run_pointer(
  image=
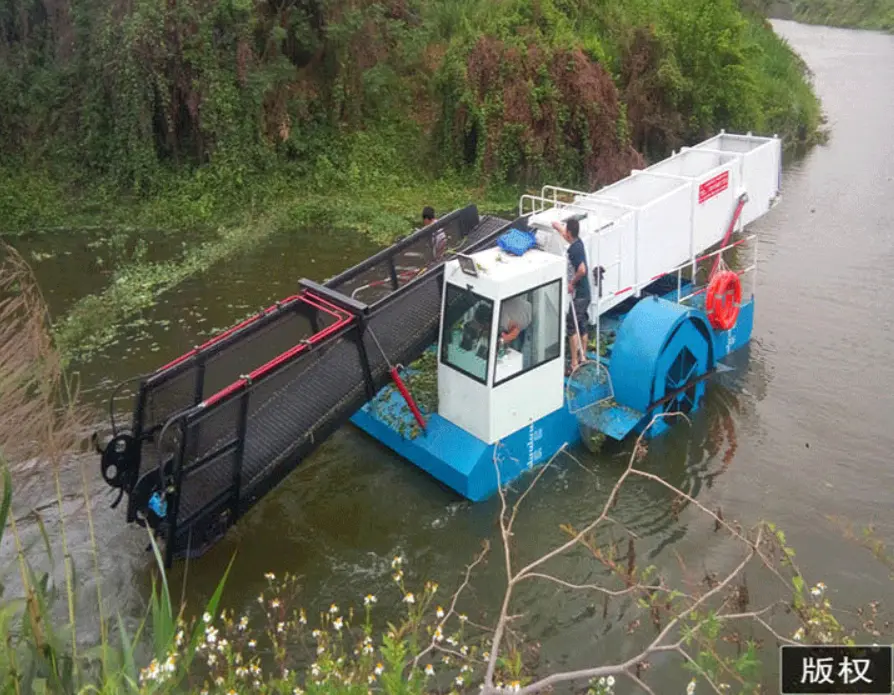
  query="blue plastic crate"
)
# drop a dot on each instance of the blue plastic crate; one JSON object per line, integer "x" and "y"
{"x": 517, "y": 242}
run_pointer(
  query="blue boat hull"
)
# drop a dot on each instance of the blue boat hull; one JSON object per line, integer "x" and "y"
{"x": 469, "y": 466}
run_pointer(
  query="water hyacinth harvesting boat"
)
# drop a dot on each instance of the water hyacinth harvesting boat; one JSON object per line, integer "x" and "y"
{"x": 216, "y": 429}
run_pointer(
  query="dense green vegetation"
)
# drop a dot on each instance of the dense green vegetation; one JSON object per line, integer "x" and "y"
{"x": 243, "y": 119}
{"x": 859, "y": 14}
{"x": 215, "y": 105}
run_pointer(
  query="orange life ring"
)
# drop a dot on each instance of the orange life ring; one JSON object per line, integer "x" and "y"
{"x": 724, "y": 299}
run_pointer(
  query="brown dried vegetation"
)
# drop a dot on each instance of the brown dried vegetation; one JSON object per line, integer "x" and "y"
{"x": 36, "y": 416}
{"x": 557, "y": 103}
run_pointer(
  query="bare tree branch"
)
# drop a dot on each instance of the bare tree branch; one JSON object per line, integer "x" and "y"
{"x": 452, "y": 609}
{"x": 662, "y": 642}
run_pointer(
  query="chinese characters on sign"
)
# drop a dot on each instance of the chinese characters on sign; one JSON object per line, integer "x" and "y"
{"x": 860, "y": 670}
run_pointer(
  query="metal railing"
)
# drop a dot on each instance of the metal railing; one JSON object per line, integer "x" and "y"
{"x": 678, "y": 271}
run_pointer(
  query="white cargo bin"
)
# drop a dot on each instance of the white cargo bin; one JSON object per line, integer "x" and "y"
{"x": 760, "y": 169}
{"x": 611, "y": 243}
{"x": 661, "y": 231}
{"x": 661, "y": 218}
{"x": 714, "y": 189}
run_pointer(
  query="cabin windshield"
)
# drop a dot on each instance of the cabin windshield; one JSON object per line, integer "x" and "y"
{"x": 465, "y": 341}
{"x": 530, "y": 324}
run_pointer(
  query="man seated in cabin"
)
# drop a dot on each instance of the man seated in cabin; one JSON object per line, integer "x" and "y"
{"x": 578, "y": 288}
{"x": 515, "y": 316}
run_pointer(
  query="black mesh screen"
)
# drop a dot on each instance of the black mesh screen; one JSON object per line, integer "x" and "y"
{"x": 182, "y": 386}
{"x": 297, "y": 405}
{"x": 372, "y": 283}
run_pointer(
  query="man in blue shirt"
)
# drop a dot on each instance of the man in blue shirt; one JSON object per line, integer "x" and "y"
{"x": 578, "y": 288}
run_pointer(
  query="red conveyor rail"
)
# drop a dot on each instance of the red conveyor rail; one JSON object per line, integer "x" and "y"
{"x": 342, "y": 319}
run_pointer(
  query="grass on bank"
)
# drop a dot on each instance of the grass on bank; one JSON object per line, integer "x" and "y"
{"x": 857, "y": 14}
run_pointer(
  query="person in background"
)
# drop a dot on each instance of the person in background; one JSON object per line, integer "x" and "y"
{"x": 578, "y": 288}
{"x": 439, "y": 236}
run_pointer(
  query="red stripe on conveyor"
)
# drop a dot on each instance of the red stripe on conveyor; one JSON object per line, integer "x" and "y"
{"x": 228, "y": 332}
{"x": 342, "y": 317}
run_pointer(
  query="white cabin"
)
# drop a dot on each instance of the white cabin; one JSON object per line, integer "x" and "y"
{"x": 488, "y": 391}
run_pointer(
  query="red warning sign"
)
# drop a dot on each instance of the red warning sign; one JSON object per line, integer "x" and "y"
{"x": 713, "y": 186}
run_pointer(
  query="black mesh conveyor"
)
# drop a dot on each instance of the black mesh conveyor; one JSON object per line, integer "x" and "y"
{"x": 229, "y": 449}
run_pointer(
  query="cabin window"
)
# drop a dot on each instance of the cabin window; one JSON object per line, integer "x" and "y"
{"x": 531, "y": 329}
{"x": 465, "y": 342}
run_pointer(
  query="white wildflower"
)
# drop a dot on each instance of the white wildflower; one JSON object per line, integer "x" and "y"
{"x": 316, "y": 634}
{"x": 371, "y": 679}
{"x": 440, "y": 612}
{"x": 379, "y": 669}
{"x": 338, "y": 623}
{"x": 409, "y": 598}
{"x": 243, "y": 623}
{"x": 269, "y": 576}
{"x": 610, "y": 681}
{"x": 252, "y": 644}
{"x": 429, "y": 670}
{"x": 369, "y": 599}
{"x": 280, "y": 627}
{"x": 207, "y": 617}
{"x": 396, "y": 562}
{"x": 690, "y": 689}
{"x": 463, "y": 617}
{"x": 459, "y": 680}
{"x": 333, "y": 609}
